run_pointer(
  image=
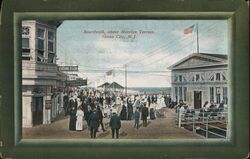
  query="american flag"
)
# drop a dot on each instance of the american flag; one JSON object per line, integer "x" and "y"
{"x": 189, "y": 30}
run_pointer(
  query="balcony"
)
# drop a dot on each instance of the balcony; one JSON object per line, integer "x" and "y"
{"x": 39, "y": 70}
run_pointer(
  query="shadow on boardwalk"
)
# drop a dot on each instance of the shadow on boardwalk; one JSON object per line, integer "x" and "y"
{"x": 159, "y": 128}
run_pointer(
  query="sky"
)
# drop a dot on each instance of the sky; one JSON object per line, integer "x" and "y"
{"x": 146, "y": 47}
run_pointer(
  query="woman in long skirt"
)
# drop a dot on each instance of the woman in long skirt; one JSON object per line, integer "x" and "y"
{"x": 79, "y": 119}
{"x": 72, "y": 119}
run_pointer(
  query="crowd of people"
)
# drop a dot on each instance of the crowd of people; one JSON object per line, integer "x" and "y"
{"x": 208, "y": 109}
{"x": 92, "y": 106}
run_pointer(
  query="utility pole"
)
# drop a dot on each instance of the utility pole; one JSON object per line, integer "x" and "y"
{"x": 126, "y": 79}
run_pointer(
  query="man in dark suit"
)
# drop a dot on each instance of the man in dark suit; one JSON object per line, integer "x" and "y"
{"x": 144, "y": 114}
{"x": 100, "y": 115}
{"x": 115, "y": 124}
{"x": 93, "y": 123}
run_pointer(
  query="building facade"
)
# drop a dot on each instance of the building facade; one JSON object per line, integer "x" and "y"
{"x": 42, "y": 82}
{"x": 198, "y": 78}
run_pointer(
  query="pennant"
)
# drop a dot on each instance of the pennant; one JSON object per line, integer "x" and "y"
{"x": 109, "y": 73}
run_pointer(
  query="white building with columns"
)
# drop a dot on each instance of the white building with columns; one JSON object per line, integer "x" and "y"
{"x": 42, "y": 82}
{"x": 200, "y": 77}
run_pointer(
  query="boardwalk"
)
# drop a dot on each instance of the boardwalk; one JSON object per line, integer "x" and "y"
{"x": 160, "y": 128}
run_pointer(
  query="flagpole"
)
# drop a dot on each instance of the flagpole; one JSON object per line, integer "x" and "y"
{"x": 197, "y": 33}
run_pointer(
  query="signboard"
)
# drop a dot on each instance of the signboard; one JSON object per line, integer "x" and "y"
{"x": 68, "y": 68}
{"x": 57, "y": 90}
{"x": 48, "y": 104}
{"x": 74, "y": 83}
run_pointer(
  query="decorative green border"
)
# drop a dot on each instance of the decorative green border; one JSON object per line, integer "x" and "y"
{"x": 236, "y": 146}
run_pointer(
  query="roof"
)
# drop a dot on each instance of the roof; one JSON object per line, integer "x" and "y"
{"x": 54, "y": 23}
{"x": 115, "y": 85}
{"x": 106, "y": 84}
{"x": 207, "y": 59}
{"x": 222, "y": 56}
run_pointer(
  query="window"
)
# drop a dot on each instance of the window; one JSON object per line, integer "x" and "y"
{"x": 185, "y": 94}
{"x": 175, "y": 79}
{"x": 184, "y": 79}
{"x": 197, "y": 77}
{"x": 192, "y": 79}
{"x": 224, "y": 78}
{"x": 176, "y": 93}
{"x": 40, "y": 33}
{"x": 40, "y": 44}
{"x": 212, "y": 78}
{"x": 217, "y": 95}
{"x": 202, "y": 78}
{"x": 50, "y": 46}
{"x": 211, "y": 93}
{"x": 225, "y": 95}
{"x": 51, "y": 49}
{"x": 25, "y": 43}
{"x": 25, "y": 49}
{"x": 217, "y": 76}
{"x": 51, "y": 57}
{"x": 180, "y": 78}
{"x": 50, "y": 41}
{"x": 50, "y": 35}
{"x": 40, "y": 56}
{"x": 180, "y": 93}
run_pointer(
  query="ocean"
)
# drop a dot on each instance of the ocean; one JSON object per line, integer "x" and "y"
{"x": 151, "y": 90}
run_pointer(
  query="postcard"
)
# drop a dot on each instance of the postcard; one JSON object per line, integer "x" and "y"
{"x": 126, "y": 79}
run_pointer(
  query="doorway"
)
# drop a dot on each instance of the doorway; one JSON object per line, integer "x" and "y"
{"x": 197, "y": 99}
{"x": 37, "y": 110}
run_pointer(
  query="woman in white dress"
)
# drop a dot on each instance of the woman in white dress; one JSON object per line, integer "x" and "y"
{"x": 160, "y": 103}
{"x": 79, "y": 119}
